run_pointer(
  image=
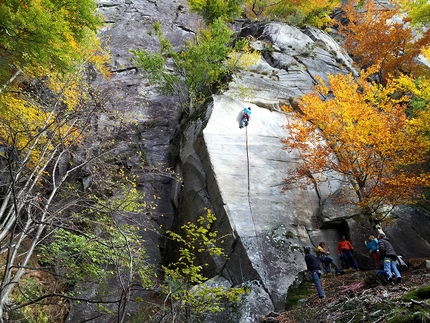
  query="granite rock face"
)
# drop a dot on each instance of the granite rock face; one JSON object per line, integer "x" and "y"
{"x": 147, "y": 124}
{"x": 238, "y": 173}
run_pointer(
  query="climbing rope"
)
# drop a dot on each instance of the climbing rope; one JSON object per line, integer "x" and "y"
{"x": 250, "y": 209}
{"x": 248, "y": 168}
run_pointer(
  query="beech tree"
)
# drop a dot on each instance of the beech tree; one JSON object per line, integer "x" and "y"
{"x": 376, "y": 35}
{"x": 419, "y": 92}
{"x": 46, "y": 115}
{"x": 357, "y": 130}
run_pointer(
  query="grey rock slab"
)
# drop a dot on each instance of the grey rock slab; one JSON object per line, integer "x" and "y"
{"x": 246, "y": 167}
{"x": 239, "y": 172}
{"x": 250, "y": 165}
{"x": 146, "y": 122}
{"x": 257, "y": 302}
{"x": 288, "y": 67}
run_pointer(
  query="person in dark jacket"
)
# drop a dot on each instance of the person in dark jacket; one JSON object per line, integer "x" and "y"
{"x": 313, "y": 266}
{"x": 388, "y": 256}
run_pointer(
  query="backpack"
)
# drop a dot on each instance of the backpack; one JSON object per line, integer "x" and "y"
{"x": 401, "y": 264}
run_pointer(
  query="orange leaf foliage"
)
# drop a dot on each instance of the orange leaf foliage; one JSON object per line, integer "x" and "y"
{"x": 378, "y": 36}
{"x": 356, "y": 130}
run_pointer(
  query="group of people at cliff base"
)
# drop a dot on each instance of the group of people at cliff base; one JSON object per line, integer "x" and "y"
{"x": 380, "y": 249}
{"x": 245, "y": 118}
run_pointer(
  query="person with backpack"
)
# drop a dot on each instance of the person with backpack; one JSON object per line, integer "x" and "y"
{"x": 246, "y": 117}
{"x": 313, "y": 266}
{"x": 372, "y": 244}
{"x": 388, "y": 256}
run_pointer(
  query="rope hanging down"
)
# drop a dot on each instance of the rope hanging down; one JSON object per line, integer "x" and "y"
{"x": 250, "y": 210}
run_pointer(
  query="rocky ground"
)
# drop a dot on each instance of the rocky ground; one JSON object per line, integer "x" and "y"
{"x": 355, "y": 297}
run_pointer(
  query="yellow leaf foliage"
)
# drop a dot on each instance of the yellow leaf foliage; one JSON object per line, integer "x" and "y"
{"x": 58, "y": 35}
{"x": 419, "y": 91}
{"x": 243, "y": 59}
{"x": 35, "y": 130}
{"x": 297, "y": 12}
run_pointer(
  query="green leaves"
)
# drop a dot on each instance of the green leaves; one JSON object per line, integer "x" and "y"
{"x": 201, "y": 61}
{"x": 362, "y": 132}
{"x": 198, "y": 69}
{"x": 87, "y": 257}
{"x": 418, "y": 11}
{"x": 296, "y": 12}
{"x": 211, "y": 10}
{"x": 185, "y": 279}
{"x": 46, "y": 34}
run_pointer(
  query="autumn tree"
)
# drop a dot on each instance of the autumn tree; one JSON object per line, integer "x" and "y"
{"x": 46, "y": 114}
{"x": 44, "y": 164}
{"x": 296, "y": 12}
{"x": 376, "y": 35}
{"x": 357, "y": 130}
{"x": 418, "y": 90}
